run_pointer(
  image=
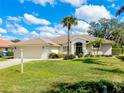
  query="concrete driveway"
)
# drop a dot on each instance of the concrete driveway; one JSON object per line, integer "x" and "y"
{"x": 12, "y": 62}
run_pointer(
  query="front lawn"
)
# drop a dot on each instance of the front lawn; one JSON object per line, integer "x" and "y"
{"x": 40, "y": 76}
{"x": 3, "y": 59}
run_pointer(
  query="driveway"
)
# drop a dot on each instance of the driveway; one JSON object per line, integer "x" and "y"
{"x": 12, "y": 62}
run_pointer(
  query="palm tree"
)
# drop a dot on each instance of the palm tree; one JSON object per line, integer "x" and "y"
{"x": 121, "y": 10}
{"x": 68, "y": 21}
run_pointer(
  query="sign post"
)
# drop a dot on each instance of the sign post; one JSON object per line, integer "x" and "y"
{"x": 21, "y": 60}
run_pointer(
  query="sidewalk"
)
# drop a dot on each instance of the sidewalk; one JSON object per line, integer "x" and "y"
{"x": 12, "y": 62}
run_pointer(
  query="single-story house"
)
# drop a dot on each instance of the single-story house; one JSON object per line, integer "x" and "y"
{"x": 5, "y": 45}
{"x": 41, "y": 47}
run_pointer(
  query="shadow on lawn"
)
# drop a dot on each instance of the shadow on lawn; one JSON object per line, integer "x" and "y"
{"x": 88, "y": 87}
{"x": 117, "y": 70}
{"x": 90, "y": 61}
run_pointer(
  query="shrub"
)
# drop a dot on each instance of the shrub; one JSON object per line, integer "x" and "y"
{"x": 120, "y": 57}
{"x": 1, "y": 54}
{"x": 88, "y": 55}
{"x": 80, "y": 55}
{"x": 117, "y": 51}
{"x": 91, "y": 87}
{"x": 66, "y": 57}
{"x": 10, "y": 53}
{"x": 53, "y": 55}
{"x": 61, "y": 55}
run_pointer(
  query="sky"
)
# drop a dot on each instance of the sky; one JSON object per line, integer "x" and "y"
{"x": 25, "y": 19}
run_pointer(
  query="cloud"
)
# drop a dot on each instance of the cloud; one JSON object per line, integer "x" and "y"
{"x": 40, "y": 2}
{"x": 122, "y": 19}
{"x": 75, "y": 3}
{"x": 91, "y": 13}
{"x": 21, "y": 30}
{"x": 110, "y": 0}
{"x": 47, "y": 31}
{"x": 17, "y": 29}
{"x": 34, "y": 34}
{"x": 3, "y": 30}
{"x": 58, "y": 29}
{"x": 79, "y": 33}
{"x": 113, "y": 5}
{"x": 12, "y": 18}
{"x": 8, "y": 37}
{"x": 82, "y": 26}
{"x": 34, "y": 20}
{"x": 1, "y": 21}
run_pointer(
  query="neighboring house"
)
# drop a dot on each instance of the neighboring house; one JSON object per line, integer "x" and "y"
{"x": 5, "y": 45}
{"x": 42, "y": 47}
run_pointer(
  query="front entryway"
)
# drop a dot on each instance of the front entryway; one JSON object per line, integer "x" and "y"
{"x": 79, "y": 48}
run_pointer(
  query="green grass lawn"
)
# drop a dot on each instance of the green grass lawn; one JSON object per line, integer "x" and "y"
{"x": 40, "y": 76}
{"x": 3, "y": 59}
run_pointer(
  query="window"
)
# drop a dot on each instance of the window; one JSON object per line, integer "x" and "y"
{"x": 64, "y": 48}
{"x": 96, "y": 46}
{"x": 79, "y": 48}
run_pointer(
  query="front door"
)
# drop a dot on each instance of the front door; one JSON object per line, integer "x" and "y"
{"x": 79, "y": 48}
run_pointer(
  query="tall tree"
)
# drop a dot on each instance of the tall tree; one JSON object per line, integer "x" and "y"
{"x": 118, "y": 36}
{"x": 102, "y": 28}
{"x": 68, "y": 21}
{"x": 16, "y": 40}
{"x": 121, "y": 10}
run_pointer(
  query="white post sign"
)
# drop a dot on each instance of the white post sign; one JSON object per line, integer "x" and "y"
{"x": 21, "y": 60}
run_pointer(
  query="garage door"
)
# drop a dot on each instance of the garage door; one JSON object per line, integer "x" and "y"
{"x": 32, "y": 52}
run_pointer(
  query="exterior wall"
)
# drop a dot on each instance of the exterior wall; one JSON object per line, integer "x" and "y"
{"x": 42, "y": 52}
{"x": 105, "y": 49}
{"x": 73, "y": 42}
{"x": 72, "y": 46}
{"x": 38, "y": 52}
{"x": 53, "y": 50}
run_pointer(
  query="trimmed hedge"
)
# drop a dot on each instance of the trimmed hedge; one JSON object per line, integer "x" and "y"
{"x": 1, "y": 53}
{"x": 117, "y": 51}
{"x": 66, "y": 57}
{"x": 54, "y": 55}
{"x": 101, "y": 86}
{"x": 10, "y": 53}
{"x": 120, "y": 57}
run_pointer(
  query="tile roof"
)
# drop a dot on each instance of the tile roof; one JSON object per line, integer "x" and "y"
{"x": 5, "y": 43}
{"x": 63, "y": 39}
{"x": 36, "y": 41}
{"x": 57, "y": 41}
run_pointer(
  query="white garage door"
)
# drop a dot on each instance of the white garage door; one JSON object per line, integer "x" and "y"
{"x": 32, "y": 52}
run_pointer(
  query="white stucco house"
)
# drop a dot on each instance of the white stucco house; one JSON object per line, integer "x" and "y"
{"x": 40, "y": 48}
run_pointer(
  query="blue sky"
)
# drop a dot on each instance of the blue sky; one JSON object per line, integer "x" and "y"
{"x": 24, "y": 19}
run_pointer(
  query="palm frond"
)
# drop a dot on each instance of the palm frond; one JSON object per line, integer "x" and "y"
{"x": 121, "y": 10}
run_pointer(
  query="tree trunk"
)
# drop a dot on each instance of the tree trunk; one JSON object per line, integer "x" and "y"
{"x": 97, "y": 51}
{"x": 68, "y": 49}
